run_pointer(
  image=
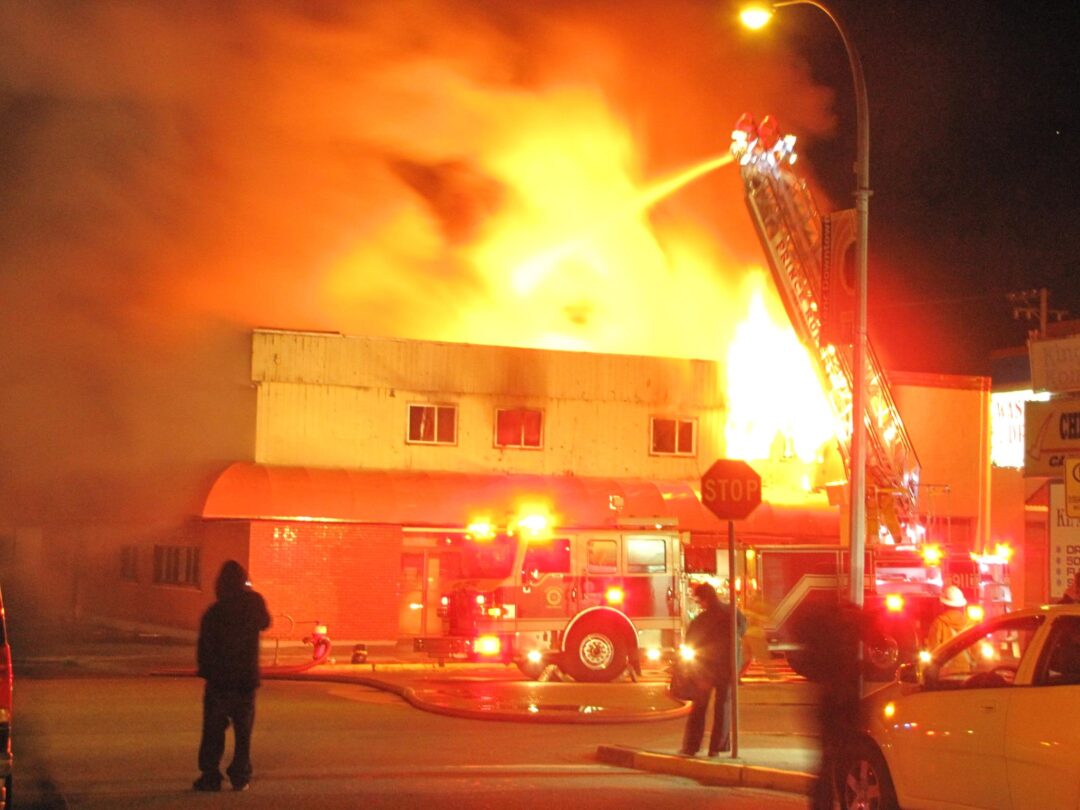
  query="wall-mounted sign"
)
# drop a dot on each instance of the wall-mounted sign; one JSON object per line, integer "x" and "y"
{"x": 1064, "y": 543}
{"x": 1051, "y": 434}
{"x": 1007, "y": 426}
{"x": 1055, "y": 364}
{"x": 1072, "y": 487}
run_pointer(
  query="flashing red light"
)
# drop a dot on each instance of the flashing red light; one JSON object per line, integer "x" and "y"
{"x": 768, "y": 132}
{"x": 747, "y": 125}
{"x": 894, "y": 603}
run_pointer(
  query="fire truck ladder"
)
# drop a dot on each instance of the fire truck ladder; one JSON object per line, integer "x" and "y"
{"x": 790, "y": 229}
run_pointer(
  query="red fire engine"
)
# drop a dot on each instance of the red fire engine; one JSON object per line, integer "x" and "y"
{"x": 593, "y": 602}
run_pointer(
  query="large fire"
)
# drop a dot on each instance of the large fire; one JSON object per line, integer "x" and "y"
{"x": 572, "y": 257}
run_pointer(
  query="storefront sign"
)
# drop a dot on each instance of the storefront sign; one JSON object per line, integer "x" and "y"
{"x": 1007, "y": 426}
{"x": 1055, "y": 364}
{"x": 1072, "y": 487}
{"x": 1051, "y": 434}
{"x": 1064, "y": 543}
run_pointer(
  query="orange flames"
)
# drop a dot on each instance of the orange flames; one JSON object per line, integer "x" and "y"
{"x": 572, "y": 258}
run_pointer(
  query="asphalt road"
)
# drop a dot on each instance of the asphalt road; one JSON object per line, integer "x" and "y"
{"x": 130, "y": 742}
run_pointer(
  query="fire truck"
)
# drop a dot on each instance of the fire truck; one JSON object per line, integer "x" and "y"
{"x": 595, "y": 603}
{"x": 905, "y": 567}
{"x": 902, "y": 587}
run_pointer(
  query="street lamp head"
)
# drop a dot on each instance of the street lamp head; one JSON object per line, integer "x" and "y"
{"x": 756, "y": 16}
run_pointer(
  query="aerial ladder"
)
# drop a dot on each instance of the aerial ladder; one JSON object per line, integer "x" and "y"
{"x": 805, "y": 255}
{"x": 793, "y": 234}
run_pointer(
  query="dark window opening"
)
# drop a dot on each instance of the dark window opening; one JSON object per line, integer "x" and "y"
{"x": 677, "y": 437}
{"x": 518, "y": 427}
{"x": 176, "y": 565}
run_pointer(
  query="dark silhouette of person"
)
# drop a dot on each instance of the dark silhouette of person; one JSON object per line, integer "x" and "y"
{"x": 709, "y": 635}
{"x": 228, "y": 659}
{"x": 830, "y": 636}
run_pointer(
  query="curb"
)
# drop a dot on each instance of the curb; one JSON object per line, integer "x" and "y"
{"x": 727, "y": 774}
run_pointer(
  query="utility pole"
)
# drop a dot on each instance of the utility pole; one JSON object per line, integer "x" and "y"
{"x": 1032, "y": 304}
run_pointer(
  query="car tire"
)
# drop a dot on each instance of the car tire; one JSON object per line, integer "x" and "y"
{"x": 595, "y": 651}
{"x": 864, "y": 782}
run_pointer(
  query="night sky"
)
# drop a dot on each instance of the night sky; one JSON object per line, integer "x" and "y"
{"x": 974, "y": 165}
{"x": 175, "y": 174}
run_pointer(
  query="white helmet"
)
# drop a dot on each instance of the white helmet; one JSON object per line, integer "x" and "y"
{"x": 953, "y": 597}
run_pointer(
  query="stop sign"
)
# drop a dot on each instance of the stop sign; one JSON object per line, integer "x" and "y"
{"x": 731, "y": 489}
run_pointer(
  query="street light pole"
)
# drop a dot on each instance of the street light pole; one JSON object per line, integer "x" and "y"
{"x": 858, "y": 383}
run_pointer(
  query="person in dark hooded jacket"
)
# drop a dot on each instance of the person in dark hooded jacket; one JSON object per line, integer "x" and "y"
{"x": 709, "y": 635}
{"x": 228, "y": 659}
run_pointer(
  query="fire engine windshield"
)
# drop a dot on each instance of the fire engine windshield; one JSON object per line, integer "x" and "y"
{"x": 488, "y": 559}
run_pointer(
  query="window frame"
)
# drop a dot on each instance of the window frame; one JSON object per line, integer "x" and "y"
{"x": 678, "y": 421}
{"x": 178, "y": 565}
{"x": 435, "y": 408}
{"x": 521, "y": 445}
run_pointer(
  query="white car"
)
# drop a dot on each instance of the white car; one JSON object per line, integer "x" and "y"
{"x": 991, "y": 720}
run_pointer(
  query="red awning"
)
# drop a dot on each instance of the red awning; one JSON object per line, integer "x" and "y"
{"x": 443, "y": 499}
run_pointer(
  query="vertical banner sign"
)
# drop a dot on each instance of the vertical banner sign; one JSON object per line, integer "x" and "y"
{"x": 1064, "y": 542}
{"x": 731, "y": 489}
{"x": 838, "y": 233}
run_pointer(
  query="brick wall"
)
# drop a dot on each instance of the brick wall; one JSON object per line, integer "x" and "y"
{"x": 346, "y": 576}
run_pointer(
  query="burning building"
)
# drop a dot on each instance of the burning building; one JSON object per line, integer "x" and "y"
{"x": 488, "y": 174}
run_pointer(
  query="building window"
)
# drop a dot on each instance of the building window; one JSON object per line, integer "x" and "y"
{"x": 432, "y": 424}
{"x": 673, "y": 437}
{"x": 176, "y": 565}
{"x": 129, "y": 563}
{"x": 518, "y": 427}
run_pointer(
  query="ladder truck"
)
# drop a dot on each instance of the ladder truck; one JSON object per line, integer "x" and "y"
{"x": 802, "y": 256}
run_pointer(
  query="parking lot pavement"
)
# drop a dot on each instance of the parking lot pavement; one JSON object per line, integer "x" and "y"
{"x": 476, "y": 691}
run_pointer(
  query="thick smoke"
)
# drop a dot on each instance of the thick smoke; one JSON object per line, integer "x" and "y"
{"x": 177, "y": 173}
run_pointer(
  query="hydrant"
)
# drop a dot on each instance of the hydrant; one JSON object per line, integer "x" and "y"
{"x": 320, "y": 643}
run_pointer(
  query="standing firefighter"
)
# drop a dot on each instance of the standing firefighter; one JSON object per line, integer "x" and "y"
{"x": 830, "y": 635}
{"x": 228, "y": 658}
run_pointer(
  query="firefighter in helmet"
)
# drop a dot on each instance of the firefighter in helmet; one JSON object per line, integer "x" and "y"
{"x": 948, "y": 624}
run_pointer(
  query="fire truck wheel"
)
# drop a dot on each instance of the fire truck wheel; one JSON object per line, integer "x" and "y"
{"x": 531, "y": 669}
{"x": 595, "y": 651}
{"x": 882, "y": 657}
{"x": 887, "y": 648}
